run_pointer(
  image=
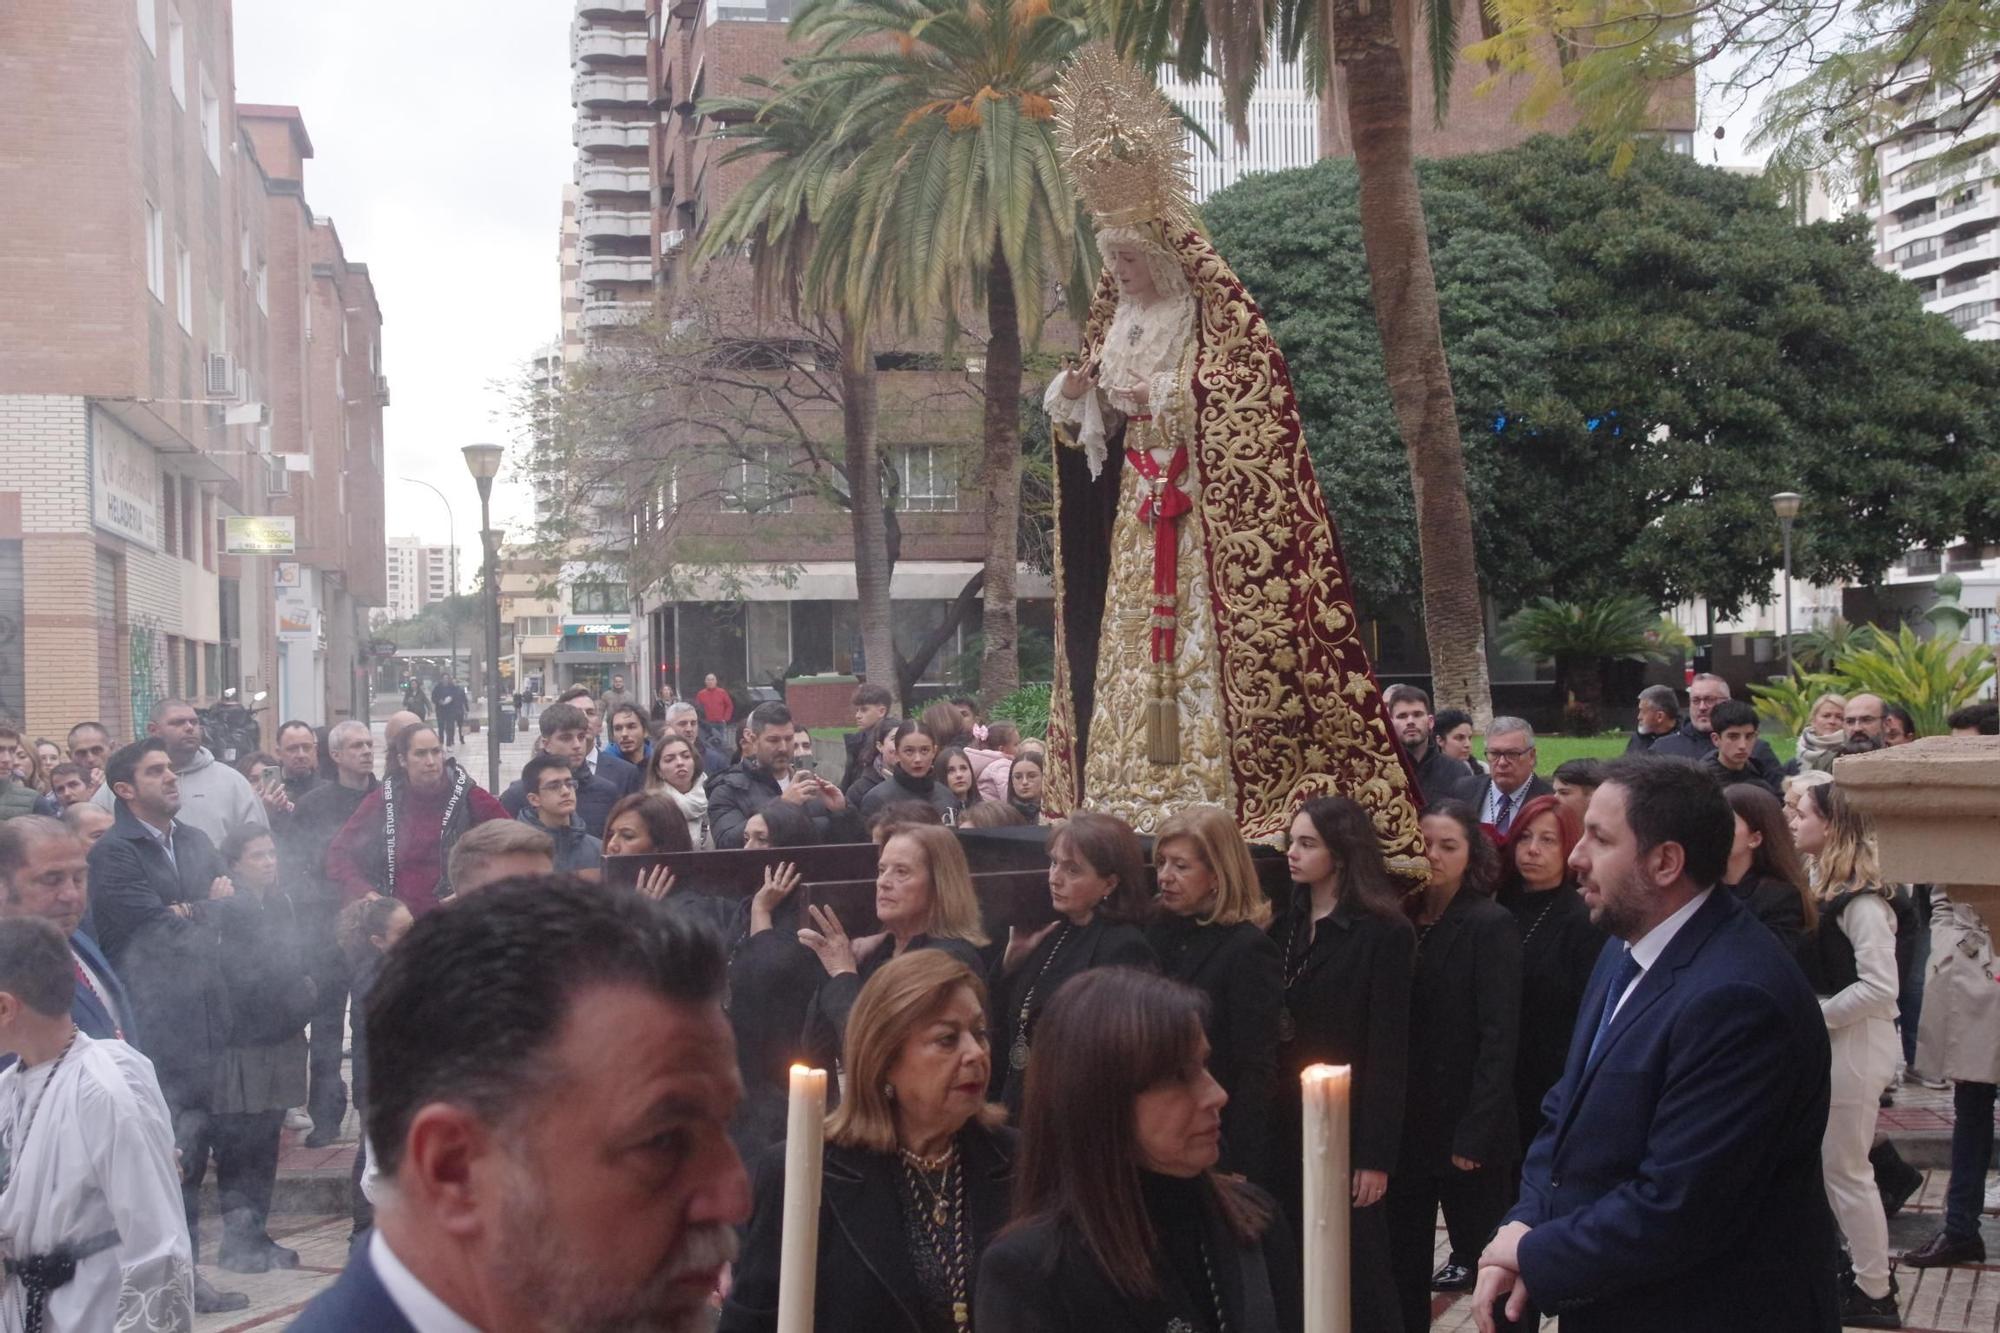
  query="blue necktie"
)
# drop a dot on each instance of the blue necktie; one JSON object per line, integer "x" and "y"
{"x": 1501, "y": 817}
{"x": 1622, "y": 977}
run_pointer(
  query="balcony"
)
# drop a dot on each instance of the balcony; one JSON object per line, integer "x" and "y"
{"x": 600, "y": 222}
{"x": 617, "y": 268}
{"x": 608, "y": 90}
{"x": 594, "y": 45}
{"x": 1966, "y": 316}
{"x": 1960, "y": 286}
{"x": 1981, "y": 241}
{"x": 603, "y": 314}
{"x": 605, "y": 136}
{"x": 594, "y": 179}
{"x": 611, "y": 9}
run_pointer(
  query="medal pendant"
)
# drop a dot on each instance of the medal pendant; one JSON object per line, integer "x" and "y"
{"x": 939, "y": 1214}
{"x": 1287, "y": 1029}
{"x": 1017, "y": 1058}
{"x": 961, "y": 1316}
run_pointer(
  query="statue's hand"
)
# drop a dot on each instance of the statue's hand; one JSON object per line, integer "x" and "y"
{"x": 1076, "y": 382}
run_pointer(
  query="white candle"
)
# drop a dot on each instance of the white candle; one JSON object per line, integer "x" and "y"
{"x": 798, "y": 1253}
{"x": 1328, "y": 1281}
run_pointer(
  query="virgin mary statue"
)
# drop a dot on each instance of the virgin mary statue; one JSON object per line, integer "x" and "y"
{"x": 1206, "y": 642}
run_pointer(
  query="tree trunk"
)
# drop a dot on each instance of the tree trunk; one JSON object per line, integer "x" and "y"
{"x": 872, "y": 565}
{"x": 1404, "y": 288}
{"x": 1000, "y": 488}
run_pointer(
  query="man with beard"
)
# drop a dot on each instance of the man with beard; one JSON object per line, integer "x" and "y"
{"x": 1676, "y": 1180}
{"x": 1439, "y": 776}
{"x": 550, "y": 1084}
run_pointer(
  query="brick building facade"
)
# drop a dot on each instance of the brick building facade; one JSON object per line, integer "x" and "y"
{"x": 146, "y": 378}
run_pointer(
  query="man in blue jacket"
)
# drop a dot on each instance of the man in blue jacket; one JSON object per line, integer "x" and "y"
{"x": 1675, "y": 1184}
{"x": 43, "y": 872}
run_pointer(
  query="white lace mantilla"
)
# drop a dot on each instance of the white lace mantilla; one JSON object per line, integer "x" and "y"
{"x": 1136, "y": 374}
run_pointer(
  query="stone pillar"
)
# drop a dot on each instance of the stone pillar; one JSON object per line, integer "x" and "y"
{"x": 1936, "y": 807}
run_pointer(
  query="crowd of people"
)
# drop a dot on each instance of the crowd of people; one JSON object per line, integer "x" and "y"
{"x": 220, "y": 920}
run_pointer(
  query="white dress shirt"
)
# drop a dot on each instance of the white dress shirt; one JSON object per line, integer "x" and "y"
{"x": 1655, "y": 941}
{"x": 426, "y": 1313}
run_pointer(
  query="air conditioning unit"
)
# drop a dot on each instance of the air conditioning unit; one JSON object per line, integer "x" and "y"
{"x": 382, "y": 389}
{"x": 221, "y": 376}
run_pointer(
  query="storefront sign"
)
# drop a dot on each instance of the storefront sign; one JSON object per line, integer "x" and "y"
{"x": 297, "y": 620}
{"x": 124, "y": 483}
{"x": 259, "y": 534}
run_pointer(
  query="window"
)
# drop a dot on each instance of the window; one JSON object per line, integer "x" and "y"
{"x": 593, "y": 599}
{"x": 156, "y": 253}
{"x": 177, "y": 56}
{"x": 147, "y": 31}
{"x": 170, "y": 508}
{"x": 748, "y": 490}
{"x": 263, "y": 287}
{"x": 211, "y": 122}
{"x": 184, "y": 287}
{"x": 929, "y": 477}
{"x": 340, "y": 378}
{"x": 244, "y": 257}
{"x": 1923, "y": 562}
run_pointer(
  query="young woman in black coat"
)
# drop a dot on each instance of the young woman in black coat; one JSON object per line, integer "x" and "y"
{"x": 1122, "y": 1224}
{"x": 1209, "y": 932}
{"x": 1559, "y": 948}
{"x": 1346, "y": 948}
{"x": 1097, "y": 882}
{"x": 1460, "y": 1146}
{"x": 1765, "y": 871}
{"x": 917, "y": 1166}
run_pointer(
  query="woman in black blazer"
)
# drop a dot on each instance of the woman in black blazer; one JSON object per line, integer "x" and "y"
{"x": 1208, "y": 930}
{"x": 918, "y": 1169}
{"x": 1460, "y": 1145}
{"x": 1347, "y": 949}
{"x": 1559, "y": 948}
{"x": 1097, "y": 883}
{"x": 1122, "y": 1224}
{"x": 1766, "y": 874}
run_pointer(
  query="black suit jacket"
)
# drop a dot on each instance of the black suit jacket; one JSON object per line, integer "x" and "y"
{"x": 1102, "y": 943}
{"x": 1676, "y": 1183}
{"x": 867, "y": 1282}
{"x": 1474, "y": 793}
{"x": 1237, "y": 967}
{"x": 1465, "y": 1013}
{"x": 1040, "y": 1278}
{"x": 357, "y": 1300}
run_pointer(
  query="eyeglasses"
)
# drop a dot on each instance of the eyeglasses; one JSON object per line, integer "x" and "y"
{"x": 560, "y": 784}
{"x": 1858, "y": 719}
{"x": 1509, "y": 756}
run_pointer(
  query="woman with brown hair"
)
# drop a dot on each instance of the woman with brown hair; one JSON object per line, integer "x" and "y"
{"x": 1097, "y": 884}
{"x": 1856, "y": 981}
{"x": 1765, "y": 870}
{"x": 1209, "y": 932}
{"x": 1346, "y": 949}
{"x": 1559, "y": 948}
{"x": 1121, "y": 1222}
{"x": 1460, "y": 1145}
{"x": 918, "y": 1165}
{"x": 923, "y": 900}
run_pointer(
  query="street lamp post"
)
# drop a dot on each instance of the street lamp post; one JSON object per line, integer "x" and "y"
{"x": 451, "y": 535}
{"x": 1785, "y": 504}
{"x": 483, "y": 461}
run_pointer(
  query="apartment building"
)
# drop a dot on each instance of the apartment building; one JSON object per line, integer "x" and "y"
{"x": 418, "y": 573}
{"x": 153, "y": 327}
{"x": 613, "y": 133}
{"x": 1939, "y": 227}
{"x": 1282, "y": 120}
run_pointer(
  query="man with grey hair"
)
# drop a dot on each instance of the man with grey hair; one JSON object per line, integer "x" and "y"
{"x": 1510, "y": 782}
{"x": 1694, "y": 738}
{"x": 316, "y": 899}
{"x": 1659, "y": 718}
{"x": 88, "y": 821}
{"x": 684, "y": 720}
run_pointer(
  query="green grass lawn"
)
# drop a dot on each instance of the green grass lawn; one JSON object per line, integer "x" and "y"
{"x": 1553, "y": 750}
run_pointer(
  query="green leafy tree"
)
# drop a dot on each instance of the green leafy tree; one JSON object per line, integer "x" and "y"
{"x": 1641, "y": 360}
{"x": 1583, "y": 638}
{"x": 1932, "y": 677}
{"x": 1820, "y": 647}
{"x": 1788, "y": 700}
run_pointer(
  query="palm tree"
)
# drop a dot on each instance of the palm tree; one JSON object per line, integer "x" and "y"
{"x": 956, "y": 200}
{"x": 1581, "y": 638}
{"x": 1363, "y": 50}
{"x": 778, "y": 214}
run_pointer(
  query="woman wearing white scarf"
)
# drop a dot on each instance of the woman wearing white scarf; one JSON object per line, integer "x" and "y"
{"x": 675, "y": 772}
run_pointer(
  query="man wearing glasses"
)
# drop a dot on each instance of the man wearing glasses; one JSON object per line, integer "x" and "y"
{"x": 1695, "y": 739}
{"x": 1864, "y": 716}
{"x": 549, "y": 789}
{"x": 1510, "y": 782}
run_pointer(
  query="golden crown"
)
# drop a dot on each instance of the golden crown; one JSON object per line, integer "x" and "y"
{"x": 1124, "y": 144}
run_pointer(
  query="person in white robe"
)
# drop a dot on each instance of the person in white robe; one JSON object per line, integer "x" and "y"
{"x": 86, "y": 1164}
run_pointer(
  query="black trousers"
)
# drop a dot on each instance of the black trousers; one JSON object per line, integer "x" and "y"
{"x": 451, "y": 727}
{"x": 245, "y": 1149}
{"x": 1473, "y": 1203}
{"x": 326, "y": 1093}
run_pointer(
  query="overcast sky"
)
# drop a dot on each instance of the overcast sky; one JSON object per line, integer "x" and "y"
{"x": 441, "y": 140}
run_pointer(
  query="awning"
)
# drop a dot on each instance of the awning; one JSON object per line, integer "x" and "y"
{"x": 831, "y": 581}
{"x": 591, "y": 659}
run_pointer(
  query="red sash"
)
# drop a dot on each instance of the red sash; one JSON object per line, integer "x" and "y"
{"x": 1162, "y": 506}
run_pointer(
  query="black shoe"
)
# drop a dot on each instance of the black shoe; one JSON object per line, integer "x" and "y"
{"x": 1888, "y": 1099}
{"x": 1452, "y": 1277}
{"x": 279, "y": 1256}
{"x": 207, "y": 1300}
{"x": 323, "y": 1138}
{"x": 1860, "y": 1310}
{"x": 246, "y": 1259}
{"x": 1944, "y": 1250}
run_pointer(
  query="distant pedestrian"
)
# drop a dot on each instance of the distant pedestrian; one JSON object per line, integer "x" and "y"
{"x": 717, "y": 711}
{"x": 615, "y": 697}
{"x": 451, "y": 701}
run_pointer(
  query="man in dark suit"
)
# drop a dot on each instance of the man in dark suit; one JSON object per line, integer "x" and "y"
{"x": 1676, "y": 1182}
{"x": 44, "y": 873}
{"x": 152, "y": 882}
{"x": 1498, "y": 795}
{"x": 544, "y": 1028}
